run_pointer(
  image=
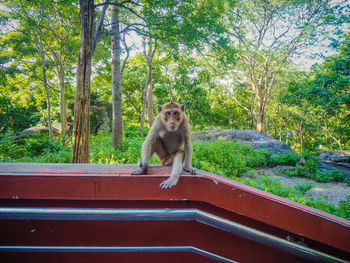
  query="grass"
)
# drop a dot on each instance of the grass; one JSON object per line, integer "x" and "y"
{"x": 303, "y": 187}
{"x": 225, "y": 158}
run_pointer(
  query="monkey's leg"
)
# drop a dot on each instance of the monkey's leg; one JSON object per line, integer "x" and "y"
{"x": 147, "y": 152}
{"x": 190, "y": 170}
{"x": 188, "y": 157}
{"x": 175, "y": 172}
{"x": 169, "y": 161}
{"x": 162, "y": 153}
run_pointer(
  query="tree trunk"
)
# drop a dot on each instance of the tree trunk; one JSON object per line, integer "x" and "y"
{"x": 143, "y": 114}
{"x": 150, "y": 84}
{"x": 150, "y": 95}
{"x": 63, "y": 110}
{"x": 47, "y": 95}
{"x": 149, "y": 54}
{"x": 252, "y": 110}
{"x": 117, "y": 121}
{"x": 81, "y": 127}
{"x": 260, "y": 119}
{"x": 301, "y": 136}
{"x": 40, "y": 49}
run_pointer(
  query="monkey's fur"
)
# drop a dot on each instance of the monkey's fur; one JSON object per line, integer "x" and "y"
{"x": 170, "y": 139}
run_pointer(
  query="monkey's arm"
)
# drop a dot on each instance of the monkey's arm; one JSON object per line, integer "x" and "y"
{"x": 147, "y": 148}
{"x": 175, "y": 172}
{"x": 188, "y": 149}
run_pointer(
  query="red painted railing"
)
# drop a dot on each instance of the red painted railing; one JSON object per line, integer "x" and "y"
{"x": 100, "y": 213}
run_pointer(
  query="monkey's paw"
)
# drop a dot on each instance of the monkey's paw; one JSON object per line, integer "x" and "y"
{"x": 190, "y": 170}
{"x": 170, "y": 182}
{"x": 141, "y": 170}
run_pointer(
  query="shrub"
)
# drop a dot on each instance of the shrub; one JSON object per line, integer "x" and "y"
{"x": 303, "y": 187}
{"x": 311, "y": 170}
{"x": 103, "y": 152}
{"x": 226, "y": 158}
{"x": 15, "y": 149}
{"x": 274, "y": 186}
{"x": 325, "y": 176}
{"x": 284, "y": 159}
{"x": 35, "y": 149}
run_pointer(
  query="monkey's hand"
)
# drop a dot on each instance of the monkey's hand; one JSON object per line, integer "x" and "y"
{"x": 170, "y": 182}
{"x": 190, "y": 170}
{"x": 141, "y": 170}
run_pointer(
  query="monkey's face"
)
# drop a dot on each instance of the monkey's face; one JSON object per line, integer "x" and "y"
{"x": 172, "y": 115}
{"x": 172, "y": 119}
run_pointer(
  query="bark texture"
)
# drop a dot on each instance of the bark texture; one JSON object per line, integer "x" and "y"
{"x": 117, "y": 121}
{"x": 81, "y": 127}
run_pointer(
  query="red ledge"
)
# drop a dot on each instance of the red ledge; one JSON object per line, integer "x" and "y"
{"x": 114, "y": 182}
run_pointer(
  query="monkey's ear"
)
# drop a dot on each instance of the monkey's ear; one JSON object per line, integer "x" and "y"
{"x": 159, "y": 108}
{"x": 183, "y": 107}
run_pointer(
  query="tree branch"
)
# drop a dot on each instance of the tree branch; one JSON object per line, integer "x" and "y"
{"x": 99, "y": 26}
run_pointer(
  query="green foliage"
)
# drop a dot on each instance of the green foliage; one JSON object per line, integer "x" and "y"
{"x": 35, "y": 149}
{"x": 310, "y": 170}
{"x": 325, "y": 176}
{"x": 343, "y": 209}
{"x": 323, "y": 96}
{"x": 303, "y": 187}
{"x": 16, "y": 118}
{"x": 227, "y": 158}
{"x": 284, "y": 159}
{"x": 274, "y": 186}
{"x": 103, "y": 152}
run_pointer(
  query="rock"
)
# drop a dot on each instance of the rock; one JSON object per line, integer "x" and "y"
{"x": 104, "y": 127}
{"x": 336, "y": 156}
{"x": 28, "y": 132}
{"x": 100, "y": 115}
{"x": 284, "y": 168}
{"x": 336, "y": 160}
{"x": 255, "y": 139}
{"x": 301, "y": 161}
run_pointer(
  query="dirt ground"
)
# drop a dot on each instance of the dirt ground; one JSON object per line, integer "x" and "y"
{"x": 333, "y": 192}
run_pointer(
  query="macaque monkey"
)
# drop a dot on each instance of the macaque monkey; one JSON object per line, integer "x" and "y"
{"x": 170, "y": 139}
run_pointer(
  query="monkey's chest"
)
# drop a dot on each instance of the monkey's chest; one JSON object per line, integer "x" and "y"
{"x": 172, "y": 141}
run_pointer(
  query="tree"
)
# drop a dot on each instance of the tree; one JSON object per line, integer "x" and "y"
{"x": 32, "y": 21}
{"x": 81, "y": 128}
{"x": 267, "y": 34}
{"x": 56, "y": 40}
{"x": 148, "y": 52}
{"x": 89, "y": 39}
{"x": 117, "y": 120}
{"x": 62, "y": 50}
{"x": 326, "y": 91}
{"x": 149, "y": 55}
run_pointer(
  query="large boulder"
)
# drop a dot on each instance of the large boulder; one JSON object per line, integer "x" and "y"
{"x": 255, "y": 139}
{"x": 336, "y": 160}
{"x": 100, "y": 116}
{"x": 29, "y": 132}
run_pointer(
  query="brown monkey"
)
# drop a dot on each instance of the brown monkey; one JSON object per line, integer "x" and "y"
{"x": 170, "y": 139}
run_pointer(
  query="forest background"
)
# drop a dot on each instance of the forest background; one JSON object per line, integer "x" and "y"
{"x": 235, "y": 64}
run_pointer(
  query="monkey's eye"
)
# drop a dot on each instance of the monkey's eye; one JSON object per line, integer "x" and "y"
{"x": 175, "y": 113}
{"x": 168, "y": 113}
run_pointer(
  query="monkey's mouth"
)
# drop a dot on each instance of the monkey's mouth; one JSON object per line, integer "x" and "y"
{"x": 172, "y": 128}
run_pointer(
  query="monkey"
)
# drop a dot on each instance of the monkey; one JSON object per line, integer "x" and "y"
{"x": 170, "y": 139}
